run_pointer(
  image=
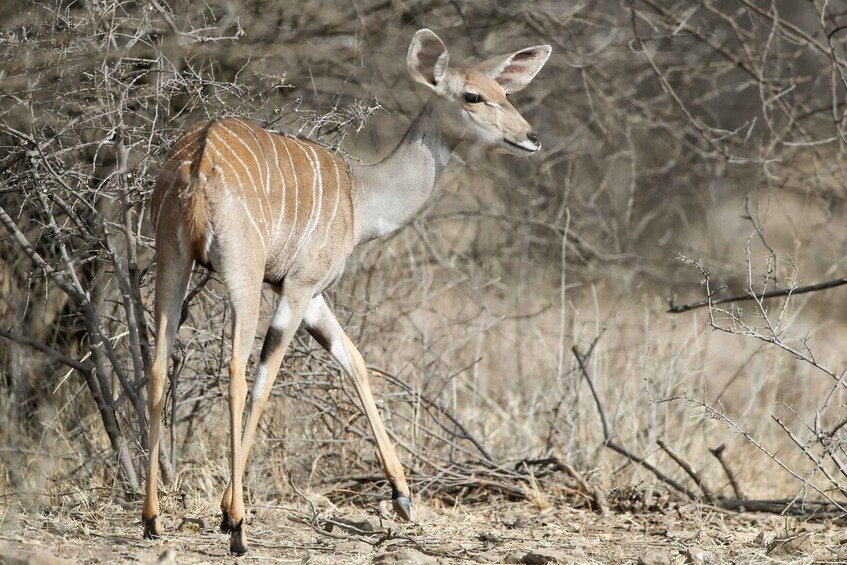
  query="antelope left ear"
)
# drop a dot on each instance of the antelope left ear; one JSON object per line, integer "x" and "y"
{"x": 513, "y": 72}
{"x": 427, "y": 58}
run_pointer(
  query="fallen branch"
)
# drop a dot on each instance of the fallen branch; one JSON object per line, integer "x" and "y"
{"x": 718, "y": 453}
{"x": 679, "y": 308}
{"x": 698, "y": 478}
{"x": 787, "y": 507}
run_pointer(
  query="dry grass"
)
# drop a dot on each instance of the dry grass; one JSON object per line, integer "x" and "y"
{"x": 472, "y": 311}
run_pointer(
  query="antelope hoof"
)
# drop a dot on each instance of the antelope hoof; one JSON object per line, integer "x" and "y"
{"x": 237, "y": 537}
{"x": 152, "y": 528}
{"x": 403, "y": 507}
{"x": 225, "y": 525}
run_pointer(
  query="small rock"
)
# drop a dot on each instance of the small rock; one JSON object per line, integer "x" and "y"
{"x": 490, "y": 557}
{"x": 543, "y": 557}
{"x": 446, "y": 548}
{"x": 699, "y": 556}
{"x": 655, "y": 557}
{"x": 512, "y": 520}
{"x": 787, "y": 545}
{"x": 191, "y": 526}
{"x": 490, "y": 537}
{"x": 353, "y": 525}
{"x": 404, "y": 556}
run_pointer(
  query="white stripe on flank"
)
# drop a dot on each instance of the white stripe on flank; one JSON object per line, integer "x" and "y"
{"x": 319, "y": 172}
{"x": 317, "y": 185}
{"x": 267, "y": 184}
{"x": 238, "y": 196}
{"x": 293, "y": 170}
{"x": 308, "y": 226}
{"x": 281, "y": 218}
{"x": 253, "y": 182}
{"x": 222, "y": 161}
{"x": 337, "y": 200}
{"x": 256, "y": 186}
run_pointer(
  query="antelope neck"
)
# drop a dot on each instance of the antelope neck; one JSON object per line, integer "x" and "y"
{"x": 392, "y": 191}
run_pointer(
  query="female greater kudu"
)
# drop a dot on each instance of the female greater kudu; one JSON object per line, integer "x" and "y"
{"x": 257, "y": 207}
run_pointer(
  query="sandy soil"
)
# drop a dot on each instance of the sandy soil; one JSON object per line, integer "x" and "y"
{"x": 485, "y": 533}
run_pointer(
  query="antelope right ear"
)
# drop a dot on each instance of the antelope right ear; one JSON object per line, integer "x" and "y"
{"x": 427, "y": 58}
{"x": 513, "y": 72}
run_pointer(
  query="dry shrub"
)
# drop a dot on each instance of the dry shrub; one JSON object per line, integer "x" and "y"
{"x": 712, "y": 131}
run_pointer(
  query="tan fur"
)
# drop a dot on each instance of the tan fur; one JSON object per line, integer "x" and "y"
{"x": 195, "y": 212}
{"x": 258, "y": 206}
{"x": 250, "y": 186}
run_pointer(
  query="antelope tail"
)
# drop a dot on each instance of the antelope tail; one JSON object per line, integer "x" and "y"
{"x": 195, "y": 213}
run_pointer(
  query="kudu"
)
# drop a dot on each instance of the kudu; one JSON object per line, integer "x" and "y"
{"x": 257, "y": 206}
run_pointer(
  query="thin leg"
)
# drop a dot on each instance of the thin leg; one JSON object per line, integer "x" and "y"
{"x": 173, "y": 272}
{"x": 321, "y": 323}
{"x": 245, "y": 305}
{"x": 286, "y": 319}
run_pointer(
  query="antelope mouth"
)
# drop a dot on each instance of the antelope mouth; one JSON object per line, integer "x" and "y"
{"x": 521, "y": 147}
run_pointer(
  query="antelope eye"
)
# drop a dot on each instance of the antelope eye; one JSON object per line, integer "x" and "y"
{"x": 472, "y": 97}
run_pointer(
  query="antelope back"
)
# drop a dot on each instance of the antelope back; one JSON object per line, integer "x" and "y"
{"x": 233, "y": 192}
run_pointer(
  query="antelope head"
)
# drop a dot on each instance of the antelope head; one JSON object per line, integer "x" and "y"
{"x": 470, "y": 103}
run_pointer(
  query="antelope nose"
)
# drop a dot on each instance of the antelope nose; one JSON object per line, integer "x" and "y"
{"x": 534, "y": 137}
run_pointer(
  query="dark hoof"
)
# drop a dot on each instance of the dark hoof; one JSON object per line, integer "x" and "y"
{"x": 403, "y": 507}
{"x": 225, "y": 527}
{"x": 237, "y": 537}
{"x": 152, "y": 529}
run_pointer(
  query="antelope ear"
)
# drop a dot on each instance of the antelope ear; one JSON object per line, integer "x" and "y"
{"x": 513, "y": 72}
{"x": 427, "y": 58}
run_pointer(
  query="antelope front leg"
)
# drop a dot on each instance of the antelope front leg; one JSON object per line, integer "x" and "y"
{"x": 321, "y": 323}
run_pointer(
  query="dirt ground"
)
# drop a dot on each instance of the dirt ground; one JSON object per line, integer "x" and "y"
{"x": 496, "y": 532}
